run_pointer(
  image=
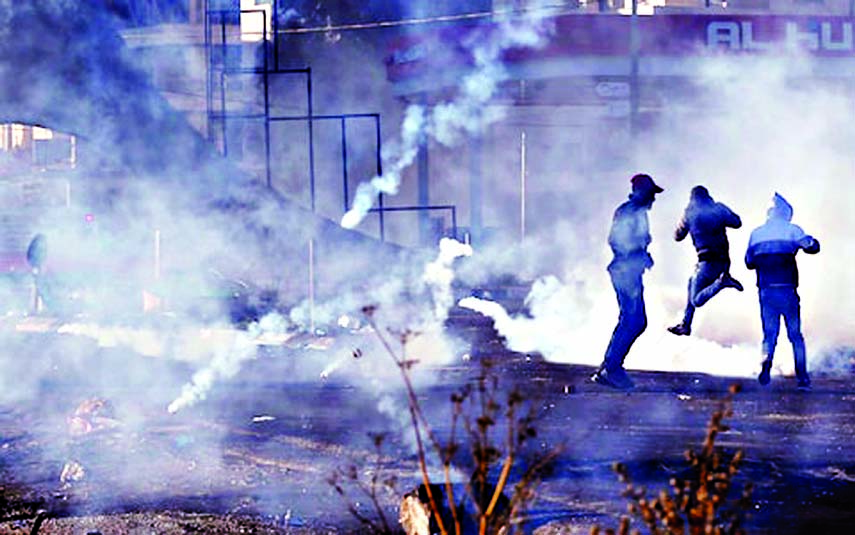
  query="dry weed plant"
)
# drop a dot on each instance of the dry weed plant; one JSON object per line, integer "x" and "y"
{"x": 498, "y": 434}
{"x": 370, "y": 489}
{"x": 698, "y": 503}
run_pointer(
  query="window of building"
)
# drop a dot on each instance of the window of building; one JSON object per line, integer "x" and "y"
{"x": 36, "y": 147}
{"x": 254, "y": 19}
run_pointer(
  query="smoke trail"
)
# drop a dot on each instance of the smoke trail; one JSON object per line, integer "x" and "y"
{"x": 466, "y": 115}
{"x": 225, "y": 349}
{"x": 227, "y": 360}
{"x": 397, "y": 309}
{"x": 427, "y": 342}
{"x": 438, "y": 275}
{"x": 400, "y": 293}
{"x": 396, "y": 160}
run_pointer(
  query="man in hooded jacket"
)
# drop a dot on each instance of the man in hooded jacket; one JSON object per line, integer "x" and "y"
{"x": 707, "y": 222}
{"x": 771, "y": 253}
{"x": 628, "y": 238}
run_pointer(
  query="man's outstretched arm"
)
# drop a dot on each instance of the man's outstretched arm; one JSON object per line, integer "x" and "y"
{"x": 730, "y": 218}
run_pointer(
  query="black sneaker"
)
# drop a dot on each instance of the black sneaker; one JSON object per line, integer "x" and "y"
{"x": 728, "y": 281}
{"x": 804, "y": 386}
{"x": 681, "y": 329}
{"x": 617, "y": 379}
{"x": 765, "y": 374}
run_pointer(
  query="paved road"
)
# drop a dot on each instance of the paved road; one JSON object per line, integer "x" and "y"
{"x": 265, "y": 441}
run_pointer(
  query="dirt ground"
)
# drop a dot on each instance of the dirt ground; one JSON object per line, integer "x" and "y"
{"x": 256, "y": 455}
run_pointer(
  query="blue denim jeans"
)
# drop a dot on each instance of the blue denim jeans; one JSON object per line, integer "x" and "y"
{"x": 703, "y": 286}
{"x": 776, "y": 302}
{"x": 626, "y": 279}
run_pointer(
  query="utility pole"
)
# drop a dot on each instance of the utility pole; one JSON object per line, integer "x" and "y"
{"x": 634, "y": 51}
{"x": 476, "y": 189}
{"x": 423, "y": 174}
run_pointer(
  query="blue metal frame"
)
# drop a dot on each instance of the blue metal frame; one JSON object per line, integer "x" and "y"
{"x": 222, "y": 17}
{"x": 343, "y": 118}
{"x": 450, "y": 207}
{"x": 265, "y": 71}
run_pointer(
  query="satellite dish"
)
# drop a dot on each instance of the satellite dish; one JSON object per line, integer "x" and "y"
{"x": 37, "y": 251}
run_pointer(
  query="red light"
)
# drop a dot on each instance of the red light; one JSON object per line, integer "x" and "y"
{"x": 89, "y": 218}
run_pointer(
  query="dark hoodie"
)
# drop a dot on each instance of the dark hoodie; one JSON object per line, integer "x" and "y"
{"x": 707, "y": 221}
{"x": 773, "y": 246}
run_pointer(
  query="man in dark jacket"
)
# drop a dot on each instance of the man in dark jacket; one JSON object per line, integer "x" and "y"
{"x": 772, "y": 253}
{"x": 629, "y": 237}
{"x": 707, "y": 222}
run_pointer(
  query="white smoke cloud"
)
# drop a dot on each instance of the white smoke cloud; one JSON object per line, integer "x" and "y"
{"x": 467, "y": 114}
{"x": 396, "y": 160}
{"x": 405, "y": 303}
{"x": 572, "y": 324}
{"x": 439, "y": 275}
{"x": 227, "y": 360}
{"x": 760, "y": 131}
{"x": 771, "y": 134}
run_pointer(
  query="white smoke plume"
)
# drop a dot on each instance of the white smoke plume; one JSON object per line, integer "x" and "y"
{"x": 468, "y": 114}
{"x": 439, "y": 275}
{"x": 794, "y": 141}
{"x": 565, "y": 325}
{"x": 423, "y": 316}
{"x": 396, "y": 160}
{"x": 427, "y": 341}
{"x": 227, "y": 360}
{"x": 401, "y": 293}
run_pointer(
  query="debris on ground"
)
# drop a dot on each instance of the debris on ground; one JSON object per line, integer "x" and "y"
{"x": 92, "y": 415}
{"x": 72, "y": 471}
{"x": 262, "y": 418}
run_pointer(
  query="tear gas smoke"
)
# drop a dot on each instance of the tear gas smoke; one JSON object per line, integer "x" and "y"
{"x": 421, "y": 314}
{"x": 405, "y": 307}
{"x": 468, "y": 114}
{"x": 558, "y": 331}
{"x": 800, "y": 134}
{"x": 227, "y": 360}
{"x": 759, "y": 132}
{"x": 333, "y": 366}
{"x": 220, "y": 351}
{"x": 397, "y": 159}
{"x": 439, "y": 275}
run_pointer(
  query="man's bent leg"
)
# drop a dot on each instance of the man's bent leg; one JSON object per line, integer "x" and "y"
{"x": 710, "y": 281}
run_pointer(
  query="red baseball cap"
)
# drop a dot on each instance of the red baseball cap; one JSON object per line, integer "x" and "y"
{"x": 643, "y": 182}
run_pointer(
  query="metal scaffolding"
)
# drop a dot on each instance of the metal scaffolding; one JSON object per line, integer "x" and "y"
{"x": 220, "y": 59}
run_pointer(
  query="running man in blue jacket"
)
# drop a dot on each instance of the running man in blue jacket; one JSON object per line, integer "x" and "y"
{"x": 707, "y": 222}
{"x": 772, "y": 254}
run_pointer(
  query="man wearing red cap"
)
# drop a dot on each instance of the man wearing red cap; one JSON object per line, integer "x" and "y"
{"x": 628, "y": 238}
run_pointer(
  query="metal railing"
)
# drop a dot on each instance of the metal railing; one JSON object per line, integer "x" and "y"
{"x": 343, "y": 118}
{"x": 217, "y": 21}
{"x": 450, "y": 207}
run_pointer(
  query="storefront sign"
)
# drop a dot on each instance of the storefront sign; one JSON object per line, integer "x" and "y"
{"x": 813, "y": 36}
{"x": 600, "y": 36}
